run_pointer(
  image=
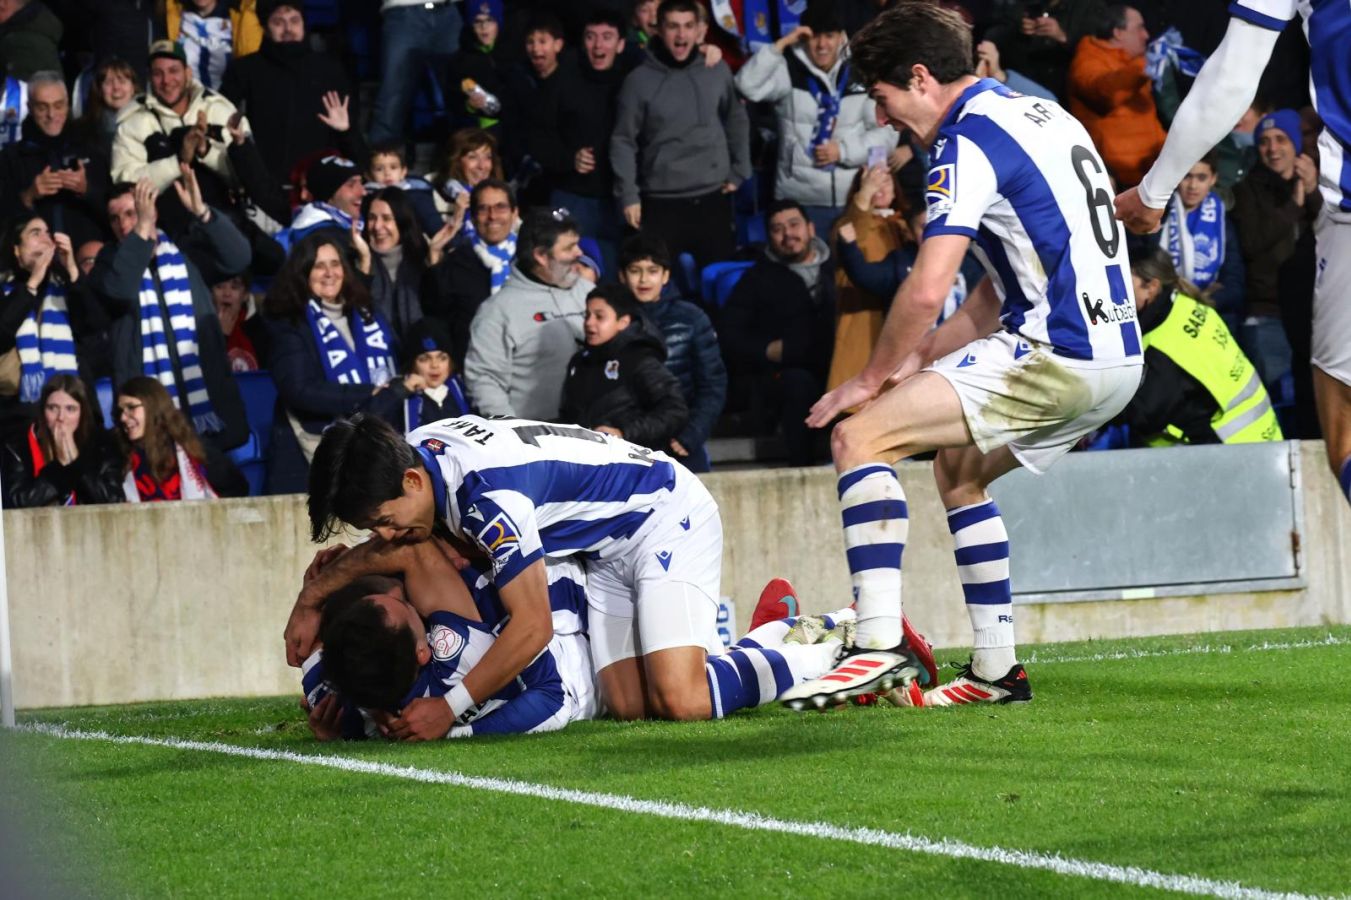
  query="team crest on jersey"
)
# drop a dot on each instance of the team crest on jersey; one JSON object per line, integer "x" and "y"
{"x": 612, "y": 370}
{"x": 446, "y": 643}
{"x": 940, "y": 190}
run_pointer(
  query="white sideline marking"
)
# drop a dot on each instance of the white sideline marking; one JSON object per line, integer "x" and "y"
{"x": 1023, "y": 859}
{"x": 1329, "y": 640}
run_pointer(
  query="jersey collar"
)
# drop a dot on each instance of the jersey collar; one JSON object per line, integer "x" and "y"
{"x": 438, "y": 481}
{"x": 980, "y": 87}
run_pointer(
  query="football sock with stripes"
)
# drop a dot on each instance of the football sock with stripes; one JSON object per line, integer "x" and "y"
{"x": 1345, "y": 478}
{"x": 982, "y": 550}
{"x": 876, "y": 524}
{"x": 745, "y": 676}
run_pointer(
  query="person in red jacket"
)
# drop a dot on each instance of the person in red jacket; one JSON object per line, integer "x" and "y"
{"x": 1111, "y": 94}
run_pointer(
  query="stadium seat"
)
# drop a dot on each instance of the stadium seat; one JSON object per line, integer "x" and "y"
{"x": 687, "y": 275}
{"x": 709, "y": 279}
{"x": 726, "y": 281}
{"x": 259, "y": 394}
{"x": 107, "y": 398}
{"x": 750, "y": 229}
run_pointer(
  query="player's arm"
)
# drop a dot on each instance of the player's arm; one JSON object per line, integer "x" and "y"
{"x": 538, "y": 708}
{"x": 918, "y": 302}
{"x": 1223, "y": 91}
{"x": 526, "y": 599}
{"x": 977, "y": 317}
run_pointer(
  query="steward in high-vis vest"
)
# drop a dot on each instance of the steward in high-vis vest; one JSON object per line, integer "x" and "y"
{"x": 1198, "y": 386}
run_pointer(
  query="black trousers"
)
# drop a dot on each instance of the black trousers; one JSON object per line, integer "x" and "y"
{"x": 701, "y": 226}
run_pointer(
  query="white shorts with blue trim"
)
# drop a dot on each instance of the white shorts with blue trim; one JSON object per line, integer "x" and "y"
{"x": 1332, "y": 297}
{"x": 662, "y": 591}
{"x": 1018, "y": 394}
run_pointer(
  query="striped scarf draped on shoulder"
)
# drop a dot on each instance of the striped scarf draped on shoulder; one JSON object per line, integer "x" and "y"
{"x": 44, "y": 340}
{"x": 180, "y": 328}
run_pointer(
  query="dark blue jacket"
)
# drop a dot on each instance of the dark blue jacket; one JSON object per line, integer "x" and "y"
{"x": 694, "y": 358}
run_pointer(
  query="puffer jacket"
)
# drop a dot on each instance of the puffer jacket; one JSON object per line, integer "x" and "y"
{"x": 149, "y": 135}
{"x": 623, "y": 384}
{"x": 787, "y": 80}
{"x": 694, "y": 358}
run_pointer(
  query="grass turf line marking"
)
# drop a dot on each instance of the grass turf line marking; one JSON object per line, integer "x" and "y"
{"x": 954, "y": 849}
{"x": 1329, "y": 640}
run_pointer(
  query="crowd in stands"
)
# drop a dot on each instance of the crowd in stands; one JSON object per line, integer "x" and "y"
{"x": 228, "y": 222}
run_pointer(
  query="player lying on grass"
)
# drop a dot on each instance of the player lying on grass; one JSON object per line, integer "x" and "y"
{"x": 390, "y": 644}
{"x": 647, "y": 530}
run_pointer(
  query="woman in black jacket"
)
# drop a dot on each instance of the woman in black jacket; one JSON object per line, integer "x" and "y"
{"x": 619, "y": 384}
{"x": 65, "y": 458}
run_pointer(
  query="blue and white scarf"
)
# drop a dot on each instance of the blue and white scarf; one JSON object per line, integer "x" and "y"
{"x": 209, "y": 43}
{"x": 371, "y": 361}
{"x": 45, "y": 342}
{"x": 13, "y": 110}
{"x": 1195, "y": 239}
{"x": 1167, "y": 51}
{"x": 755, "y": 13}
{"x": 313, "y": 215}
{"x": 156, "y": 362}
{"x": 827, "y": 106}
{"x": 496, "y": 258}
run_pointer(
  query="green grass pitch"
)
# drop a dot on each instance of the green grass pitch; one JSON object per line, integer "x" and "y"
{"x": 1222, "y": 757}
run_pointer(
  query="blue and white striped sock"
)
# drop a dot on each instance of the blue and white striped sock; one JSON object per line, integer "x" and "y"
{"x": 1345, "y": 478}
{"x": 982, "y": 549}
{"x": 876, "y": 525}
{"x": 744, "y": 677}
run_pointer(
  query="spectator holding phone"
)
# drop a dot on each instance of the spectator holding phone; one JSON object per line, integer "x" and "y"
{"x": 49, "y": 171}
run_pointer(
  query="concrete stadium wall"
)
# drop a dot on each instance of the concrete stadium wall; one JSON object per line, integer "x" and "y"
{"x": 120, "y": 604}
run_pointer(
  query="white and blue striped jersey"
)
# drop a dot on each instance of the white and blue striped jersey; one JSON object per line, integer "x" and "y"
{"x": 1021, "y": 178}
{"x": 13, "y": 110}
{"x": 1327, "y": 25}
{"x": 548, "y": 693}
{"x": 522, "y": 490}
{"x": 209, "y": 43}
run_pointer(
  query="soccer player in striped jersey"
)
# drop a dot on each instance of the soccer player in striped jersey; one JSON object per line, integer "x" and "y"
{"x": 517, "y": 490}
{"x": 1044, "y": 351}
{"x": 388, "y": 642}
{"x": 1223, "y": 90}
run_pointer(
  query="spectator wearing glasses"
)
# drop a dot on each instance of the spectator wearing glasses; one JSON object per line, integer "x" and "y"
{"x": 524, "y": 335}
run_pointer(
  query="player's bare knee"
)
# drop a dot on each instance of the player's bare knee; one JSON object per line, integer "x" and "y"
{"x": 625, "y": 709}
{"x": 680, "y": 705}
{"x": 850, "y": 446}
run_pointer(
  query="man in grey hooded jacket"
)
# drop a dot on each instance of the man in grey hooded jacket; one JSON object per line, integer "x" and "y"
{"x": 523, "y": 336}
{"x": 681, "y": 143}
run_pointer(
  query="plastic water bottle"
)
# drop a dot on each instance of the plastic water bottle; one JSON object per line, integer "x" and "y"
{"x": 491, "y": 105}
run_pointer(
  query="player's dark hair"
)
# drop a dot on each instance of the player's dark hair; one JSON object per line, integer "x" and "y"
{"x": 368, "y": 660}
{"x": 783, "y": 205}
{"x": 390, "y": 148}
{"x": 1113, "y": 17}
{"x": 490, "y": 184}
{"x": 643, "y": 246}
{"x": 911, "y": 33}
{"x": 603, "y": 16}
{"x": 358, "y": 465}
{"x": 618, "y": 298}
{"x": 540, "y": 230}
{"x": 676, "y": 6}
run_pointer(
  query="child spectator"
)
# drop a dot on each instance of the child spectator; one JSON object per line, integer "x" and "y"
{"x": 164, "y": 458}
{"x": 389, "y": 168}
{"x": 245, "y": 334}
{"x": 479, "y": 64}
{"x": 692, "y": 352}
{"x": 1201, "y": 239}
{"x": 433, "y": 389}
{"x": 65, "y": 458}
{"x": 618, "y": 385}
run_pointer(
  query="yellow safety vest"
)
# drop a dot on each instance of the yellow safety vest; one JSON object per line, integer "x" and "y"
{"x": 1196, "y": 338}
